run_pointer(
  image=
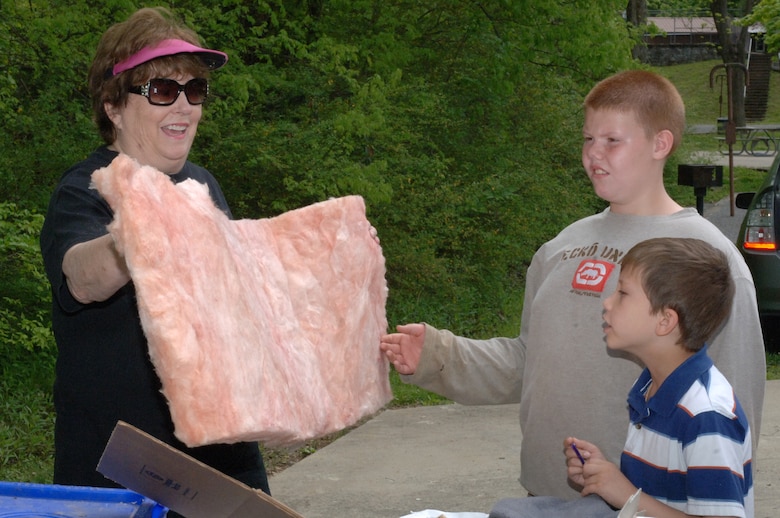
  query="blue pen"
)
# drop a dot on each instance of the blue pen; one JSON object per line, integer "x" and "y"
{"x": 579, "y": 455}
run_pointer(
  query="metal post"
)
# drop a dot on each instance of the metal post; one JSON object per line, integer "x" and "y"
{"x": 731, "y": 127}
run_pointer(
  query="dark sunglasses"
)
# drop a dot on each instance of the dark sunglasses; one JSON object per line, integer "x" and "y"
{"x": 164, "y": 92}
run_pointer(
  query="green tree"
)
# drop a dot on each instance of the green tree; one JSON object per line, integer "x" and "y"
{"x": 45, "y": 50}
{"x": 734, "y": 47}
{"x": 26, "y": 341}
{"x": 448, "y": 117}
{"x": 458, "y": 122}
{"x": 767, "y": 13}
{"x": 733, "y": 37}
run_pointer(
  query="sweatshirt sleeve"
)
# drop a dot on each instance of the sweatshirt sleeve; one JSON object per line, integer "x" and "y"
{"x": 478, "y": 372}
{"x": 468, "y": 371}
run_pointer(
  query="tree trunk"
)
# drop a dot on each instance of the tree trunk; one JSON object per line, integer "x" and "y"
{"x": 636, "y": 16}
{"x": 734, "y": 47}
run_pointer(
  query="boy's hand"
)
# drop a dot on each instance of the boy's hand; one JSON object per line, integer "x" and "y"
{"x": 597, "y": 475}
{"x": 404, "y": 348}
{"x": 577, "y": 451}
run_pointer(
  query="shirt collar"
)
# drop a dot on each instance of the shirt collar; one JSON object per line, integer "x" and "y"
{"x": 671, "y": 391}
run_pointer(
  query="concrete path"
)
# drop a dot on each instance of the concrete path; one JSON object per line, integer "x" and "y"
{"x": 716, "y": 158}
{"x": 743, "y": 160}
{"x": 451, "y": 458}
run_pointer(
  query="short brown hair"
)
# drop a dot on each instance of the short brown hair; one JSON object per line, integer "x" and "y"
{"x": 689, "y": 276}
{"x": 146, "y": 27}
{"x": 652, "y": 98}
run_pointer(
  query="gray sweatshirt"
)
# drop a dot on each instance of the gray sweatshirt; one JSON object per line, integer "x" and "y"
{"x": 559, "y": 369}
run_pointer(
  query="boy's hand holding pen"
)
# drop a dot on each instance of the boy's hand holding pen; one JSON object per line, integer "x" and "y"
{"x": 577, "y": 452}
{"x": 576, "y": 457}
{"x": 572, "y": 451}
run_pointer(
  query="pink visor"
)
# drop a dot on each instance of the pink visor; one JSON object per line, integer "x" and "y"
{"x": 211, "y": 58}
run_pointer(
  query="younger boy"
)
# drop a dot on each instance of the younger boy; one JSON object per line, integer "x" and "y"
{"x": 688, "y": 445}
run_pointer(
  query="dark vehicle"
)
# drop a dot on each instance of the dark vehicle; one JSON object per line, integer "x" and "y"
{"x": 758, "y": 242}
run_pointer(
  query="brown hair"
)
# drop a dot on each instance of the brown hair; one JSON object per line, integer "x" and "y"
{"x": 653, "y": 99}
{"x": 146, "y": 27}
{"x": 689, "y": 276}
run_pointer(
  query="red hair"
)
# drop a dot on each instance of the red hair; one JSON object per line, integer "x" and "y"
{"x": 653, "y": 99}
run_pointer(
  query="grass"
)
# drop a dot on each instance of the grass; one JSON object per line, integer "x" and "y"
{"x": 703, "y": 105}
{"x": 26, "y": 434}
{"x": 773, "y": 366}
{"x": 26, "y": 416}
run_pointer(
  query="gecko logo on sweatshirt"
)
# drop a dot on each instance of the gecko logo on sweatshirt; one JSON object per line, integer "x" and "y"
{"x": 592, "y": 275}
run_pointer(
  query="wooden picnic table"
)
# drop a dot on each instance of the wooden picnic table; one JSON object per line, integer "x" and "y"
{"x": 755, "y": 139}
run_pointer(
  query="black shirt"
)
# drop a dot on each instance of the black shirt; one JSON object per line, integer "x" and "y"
{"x": 103, "y": 371}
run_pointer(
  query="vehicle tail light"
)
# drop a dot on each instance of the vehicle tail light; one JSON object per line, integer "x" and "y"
{"x": 760, "y": 227}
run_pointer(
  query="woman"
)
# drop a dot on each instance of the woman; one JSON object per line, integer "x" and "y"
{"x": 148, "y": 81}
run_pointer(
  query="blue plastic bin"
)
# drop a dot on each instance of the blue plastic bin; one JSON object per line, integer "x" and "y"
{"x": 24, "y": 500}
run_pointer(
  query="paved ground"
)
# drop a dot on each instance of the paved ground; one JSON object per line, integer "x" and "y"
{"x": 450, "y": 458}
{"x": 459, "y": 458}
{"x": 742, "y": 160}
{"x": 720, "y": 215}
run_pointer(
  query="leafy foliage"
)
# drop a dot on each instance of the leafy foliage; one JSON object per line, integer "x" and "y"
{"x": 26, "y": 351}
{"x": 767, "y": 12}
{"x": 679, "y": 7}
{"x": 26, "y": 342}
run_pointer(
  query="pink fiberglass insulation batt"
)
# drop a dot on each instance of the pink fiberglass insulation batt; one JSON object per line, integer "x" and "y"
{"x": 263, "y": 329}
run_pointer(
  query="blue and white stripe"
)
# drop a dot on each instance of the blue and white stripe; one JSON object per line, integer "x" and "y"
{"x": 689, "y": 446}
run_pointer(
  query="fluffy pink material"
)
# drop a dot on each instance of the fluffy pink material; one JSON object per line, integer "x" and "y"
{"x": 261, "y": 330}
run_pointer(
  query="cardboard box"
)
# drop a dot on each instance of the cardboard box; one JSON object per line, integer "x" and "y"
{"x": 158, "y": 471}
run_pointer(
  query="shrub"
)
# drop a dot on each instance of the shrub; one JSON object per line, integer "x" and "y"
{"x": 27, "y": 351}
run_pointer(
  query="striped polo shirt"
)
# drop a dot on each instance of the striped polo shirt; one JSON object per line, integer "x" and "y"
{"x": 689, "y": 446}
